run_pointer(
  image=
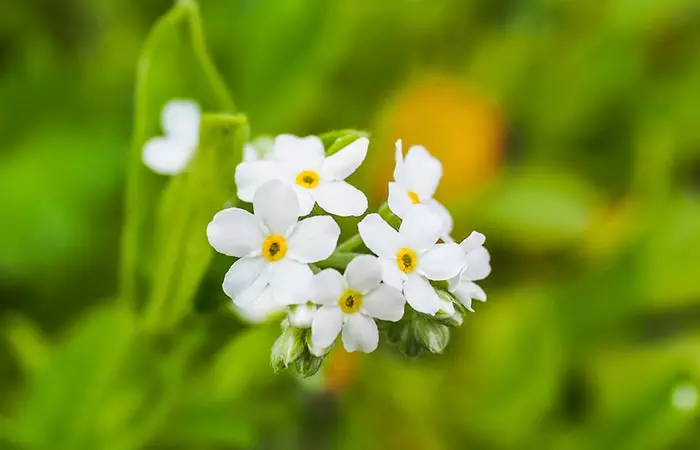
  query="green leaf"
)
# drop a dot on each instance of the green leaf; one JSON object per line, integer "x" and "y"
{"x": 174, "y": 46}
{"x": 28, "y": 342}
{"x": 334, "y": 141}
{"x": 190, "y": 201}
{"x": 106, "y": 386}
{"x": 65, "y": 397}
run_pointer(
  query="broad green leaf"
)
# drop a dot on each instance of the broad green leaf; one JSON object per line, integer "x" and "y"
{"x": 173, "y": 64}
{"x": 334, "y": 141}
{"x": 535, "y": 210}
{"x": 189, "y": 202}
{"x": 106, "y": 386}
{"x": 65, "y": 400}
{"x": 28, "y": 342}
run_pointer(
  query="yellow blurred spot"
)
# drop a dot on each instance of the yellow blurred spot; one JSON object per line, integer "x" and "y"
{"x": 458, "y": 125}
{"x": 341, "y": 369}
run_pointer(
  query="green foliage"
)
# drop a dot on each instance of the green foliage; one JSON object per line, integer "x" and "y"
{"x": 592, "y": 219}
{"x": 189, "y": 202}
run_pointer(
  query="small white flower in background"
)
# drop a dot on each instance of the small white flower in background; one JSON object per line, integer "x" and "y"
{"x": 410, "y": 257}
{"x": 350, "y": 304}
{"x": 302, "y": 164}
{"x": 259, "y": 149}
{"x": 477, "y": 267}
{"x": 416, "y": 179}
{"x": 169, "y": 155}
{"x": 684, "y": 397}
{"x": 274, "y": 249}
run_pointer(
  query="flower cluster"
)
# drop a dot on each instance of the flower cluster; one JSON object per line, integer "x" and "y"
{"x": 401, "y": 276}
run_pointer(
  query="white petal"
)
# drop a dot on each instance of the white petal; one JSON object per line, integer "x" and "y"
{"x": 391, "y": 274}
{"x": 306, "y": 200}
{"x": 316, "y": 351}
{"x": 364, "y": 273}
{"x": 301, "y": 316}
{"x": 421, "y": 172}
{"x": 253, "y": 293}
{"x": 235, "y": 232}
{"x": 326, "y": 287}
{"x": 360, "y": 333}
{"x": 379, "y": 236}
{"x": 466, "y": 291}
{"x": 314, "y": 239}
{"x": 384, "y": 303}
{"x": 342, "y": 164}
{"x": 477, "y": 293}
{"x": 180, "y": 120}
{"x": 442, "y": 262}
{"x": 473, "y": 241}
{"x": 249, "y": 153}
{"x": 243, "y": 274}
{"x": 251, "y": 175}
{"x": 478, "y": 264}
{"x": 167, "y": 156}
{"x": 421, "y": 228}
{"x": 340, "y": 198}
{"x": 421, "y": 295}
{"x": 260, "y": 310}
{"x": 326, "y": 326}
{"x": 440, "y": 210}
{"x": 290, "y": 281}
{"x": 305, "y": 153}
{"x": 398, "y": 157}
{"x": 447, "y": 307}
{"x": 277, "y": 207}
{"x": 399, "y": 201}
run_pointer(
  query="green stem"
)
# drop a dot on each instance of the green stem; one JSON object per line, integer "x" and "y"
{"x": 337, "y": 260}
{"x": 200, "y": 50}
{"x": 355, "y": 240}
{"x": 349, "y": 245}
{"x": 135, "y": 214}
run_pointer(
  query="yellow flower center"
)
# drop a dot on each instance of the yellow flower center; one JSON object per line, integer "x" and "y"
{"x": 414, "y": 197}
{"x": 407, "y": 260}
{"x": 308, "y": 179}
{"x": 274, "y": 248}
{"x": 350, "y": 301}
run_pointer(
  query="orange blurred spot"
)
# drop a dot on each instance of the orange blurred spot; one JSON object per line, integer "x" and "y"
{"x": 457, "y": 125}
{"x": 341, "y": 369}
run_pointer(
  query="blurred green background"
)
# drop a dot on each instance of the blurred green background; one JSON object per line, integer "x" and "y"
{"x": 570, "y": 135}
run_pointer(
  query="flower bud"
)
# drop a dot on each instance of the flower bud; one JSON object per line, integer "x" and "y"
{"x": 288, "y": 347}
{"x": 301, "y": 316}
{"x": 449, "y": 313}
{"x": 308, "y": 364}
{"x": 433, "y": 335}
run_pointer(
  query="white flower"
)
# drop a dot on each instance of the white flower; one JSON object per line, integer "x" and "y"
{"x": 302, "y": 164}
{"x": 410, "y": 258}
{"x": 477, "y": 267}
{"x": 259, "y": 149}
{"x": 170, "y": 154}
{"x": 351, "y": 302}
{"x": 416, "y": 179}
{"x": 273, "y": 248}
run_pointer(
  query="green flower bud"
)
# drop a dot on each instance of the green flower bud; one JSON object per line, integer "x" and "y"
{"x": 433, "y": 335}
{"x": 288, "y": 347}
{"x": 410, "y": 345}
{"x": 396, "y": 332}
{"x": 308, "y": 364}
